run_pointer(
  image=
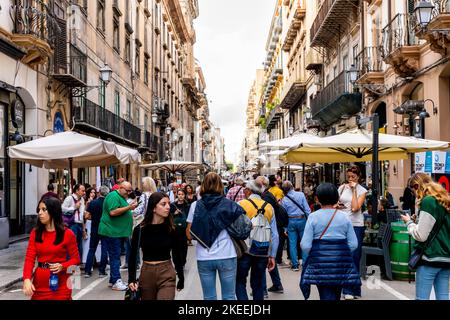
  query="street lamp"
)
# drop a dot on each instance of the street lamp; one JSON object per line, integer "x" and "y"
{"x": 175, "y": 136}
{"x": 168, "y": 130}
{"x": 106, "y": 73}
{"x": 154, "y": 117}
{"x": 353, "y": 74}
{"x": 423, "y": 13}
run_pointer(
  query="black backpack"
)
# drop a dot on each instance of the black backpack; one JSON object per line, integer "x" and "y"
{"x": 282, "y": 217}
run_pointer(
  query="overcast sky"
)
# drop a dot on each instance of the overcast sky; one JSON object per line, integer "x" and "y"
{"x": 231, "y": 38}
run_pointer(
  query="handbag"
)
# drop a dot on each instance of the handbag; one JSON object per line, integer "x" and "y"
{"x": 131, "y": 295}
{"x": 417, "y": 254}
{"x": 240, "y": 246}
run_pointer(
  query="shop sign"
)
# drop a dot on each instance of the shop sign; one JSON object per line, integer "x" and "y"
{"x": 447, "y": 163}
{"x": 444, "y": 180}
{"x": 439, "y": 159}
{"x": 428, "y": 161}
{"x": 17, "y": 113}
{"x": 420, "y": 162}
{"x": 58, "y": 123}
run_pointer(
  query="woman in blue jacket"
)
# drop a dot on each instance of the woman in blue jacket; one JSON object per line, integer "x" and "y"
{"x": 327, "y": 245}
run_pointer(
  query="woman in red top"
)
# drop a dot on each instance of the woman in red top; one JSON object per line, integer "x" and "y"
{"x": 55, "y": 248}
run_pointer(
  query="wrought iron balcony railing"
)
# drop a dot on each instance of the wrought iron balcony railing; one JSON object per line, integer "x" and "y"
{"x": 87, "y": 113}
{"x": 370, "y": 60}
{"x": 34, "y": 18}
{"x": 151, "y": 141}
{"x": 399, "y": 33}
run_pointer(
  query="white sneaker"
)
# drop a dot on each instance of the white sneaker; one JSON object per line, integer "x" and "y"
{"x": 349, "y": 297}
{"x": 119, "y": 286}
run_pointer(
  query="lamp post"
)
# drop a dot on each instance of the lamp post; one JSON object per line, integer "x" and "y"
{"x": 375, "y": 119}
{"x": 423, "y": 12}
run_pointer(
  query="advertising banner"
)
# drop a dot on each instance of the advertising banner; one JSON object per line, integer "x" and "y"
{"x": 439, "y": 159}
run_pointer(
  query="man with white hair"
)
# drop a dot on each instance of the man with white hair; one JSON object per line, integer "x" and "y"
{"x": 237, "y": 192}
{"x": 258, "y": 263}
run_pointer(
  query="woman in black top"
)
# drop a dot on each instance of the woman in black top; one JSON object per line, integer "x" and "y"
{"x": 157, "y": 238}
{"x": 180, "y": 211}
{"x": 190, "y": 194}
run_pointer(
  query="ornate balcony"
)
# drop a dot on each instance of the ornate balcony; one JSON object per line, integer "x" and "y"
{"x": 293, "y": 93}
{"x": 335, "y": 100}
{"x": 401, "y": 46}
{"x": 314, "y": 61}
{"x": 370, "y": 64}
{"x": 437, "y": 33}
{"x": 294, "y": 23}
{"x": 333, "y": 16}
{"x": 34, "y": 29}
{"x": 92, "y": 118}
{"x": 275, "y": 115}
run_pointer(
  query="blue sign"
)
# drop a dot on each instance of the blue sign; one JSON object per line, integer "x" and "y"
{"x": 447, "y": 164}
{"x": 429, "y": 162}
{"x": 58, "y": 123}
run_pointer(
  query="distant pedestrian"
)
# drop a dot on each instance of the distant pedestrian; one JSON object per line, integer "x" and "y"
{"x": 351, "y": 197}
{"x": 408, "y": 200}
{"x": 73, "y": 209}
{"x": 180, "y": 211}
{"x": 297, "y": 207}
{"x": 190, "y": 194}
{"x": 94, "y": 213}
{"x": 157, "y": 241}
{"x": 236, "y": 193}
{"x": 208, "y": 220}
{"x": 274, "y": 188}
{"x": 328, "y": 236}
{"x": 91, "y": 195}
{"x": 115, "y": 224}
{"x": 50, "y": 193}
{"x": 55, "y": 248}
{"x": 431, "y": 231}
{"x": 197, "y": 190}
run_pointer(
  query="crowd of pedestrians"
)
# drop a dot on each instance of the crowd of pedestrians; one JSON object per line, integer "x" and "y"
{"x": 241, "y": 234}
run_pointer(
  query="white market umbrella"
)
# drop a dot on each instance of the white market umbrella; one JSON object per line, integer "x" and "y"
{"x": 128, "y": 155}
{"x": 66, "y": 149}
{"x": 291, "y": 142}
{"x": 356, "y": 146}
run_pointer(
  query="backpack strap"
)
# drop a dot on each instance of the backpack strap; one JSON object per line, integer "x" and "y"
{"x": 256, "y": 207}
{"x": 237, "y": 193}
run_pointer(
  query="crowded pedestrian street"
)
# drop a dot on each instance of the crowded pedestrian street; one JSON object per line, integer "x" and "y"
{"x": 96, "y": 288}
{"x": 252, "y": 153}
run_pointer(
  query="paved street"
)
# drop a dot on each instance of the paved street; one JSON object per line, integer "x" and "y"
{"x": 96, "y": 288}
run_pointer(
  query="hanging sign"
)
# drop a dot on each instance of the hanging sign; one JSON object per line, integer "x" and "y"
{"x": 420, "y": 162}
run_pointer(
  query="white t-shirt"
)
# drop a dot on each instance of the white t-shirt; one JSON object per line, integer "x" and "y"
{"x": 357, "y": 218}
{"x": 222, "y": 248}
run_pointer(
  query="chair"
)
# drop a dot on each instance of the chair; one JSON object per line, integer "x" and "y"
{"x": 393, "y": 215}
{"x": 383, "y": 241}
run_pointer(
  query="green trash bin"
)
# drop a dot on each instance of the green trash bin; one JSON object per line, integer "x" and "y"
{"x": 402, "y": 245}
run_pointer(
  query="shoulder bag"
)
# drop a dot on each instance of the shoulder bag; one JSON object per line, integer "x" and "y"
{"x": 417, "y": 254}
{"x": 299, "y": 206}
{"x": 130, "y": 294}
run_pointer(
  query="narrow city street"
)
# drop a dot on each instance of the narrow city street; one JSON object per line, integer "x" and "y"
{"x": 95, "y": 288}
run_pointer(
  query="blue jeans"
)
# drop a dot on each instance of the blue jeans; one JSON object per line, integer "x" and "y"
{"x": 276, "y": 279}
{"x": 296, "y": 228}
{"x": 258, "y": 267}
{"x": 93, "y": 243}
{"x": 329, "y": 293}
{"x": 427, "y": 277}
{"x": 77, "y": 229}
{"x": 356, "y": 290}
{"x": 113, "y": 246}
{"x": 227, "y": 274}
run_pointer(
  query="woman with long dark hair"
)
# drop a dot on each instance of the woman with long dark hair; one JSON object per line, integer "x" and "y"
{"x": 190, "y": 194}
{"x": 55, "y": 248}
{"x": 157, "y": 238}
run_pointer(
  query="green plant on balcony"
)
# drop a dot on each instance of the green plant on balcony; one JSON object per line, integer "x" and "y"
{"x": 263, "y": 122}
{"x": 270, "y": 107}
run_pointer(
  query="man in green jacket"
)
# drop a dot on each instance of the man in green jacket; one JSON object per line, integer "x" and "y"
{"x": 116, "y": 223}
